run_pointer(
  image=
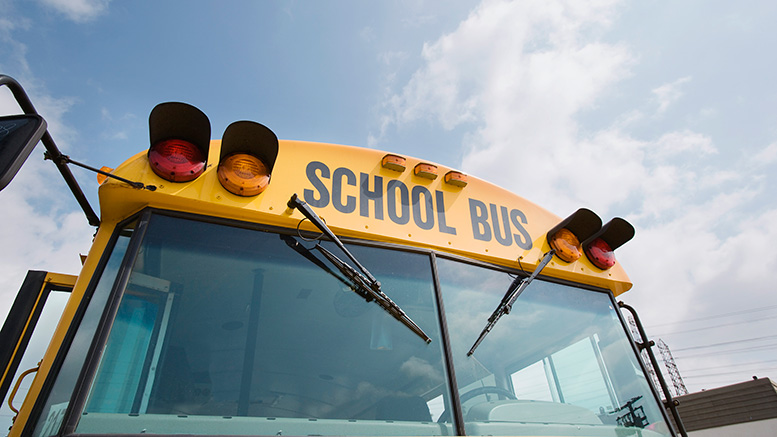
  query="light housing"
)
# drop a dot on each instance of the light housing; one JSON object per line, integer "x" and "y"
{"x": 456, "y": 178}
{"x": 179, "y": 136}
{"x": 18, "y": 136}
{"x": 393, "y": 162}
{"x": 600, "y": 247}
{"x": 566, "y": 236}
{"x": 425, "y": 170}
{"x": 248, "y": 153}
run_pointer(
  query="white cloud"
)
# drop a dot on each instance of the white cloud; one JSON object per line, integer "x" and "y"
{"x": 669, "y": 93}
{"x": 39, "y": 228}
{"x": 40, "y": 225}
{"x": 518, "y": 73}
{"x": 515, "y": 76}
{"x": 673, "y": 143}
{"x": 78, "y": 10}
{"x": 766, "y": 156}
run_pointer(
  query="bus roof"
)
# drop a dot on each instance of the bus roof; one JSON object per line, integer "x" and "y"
{"x": 358, "y": 196}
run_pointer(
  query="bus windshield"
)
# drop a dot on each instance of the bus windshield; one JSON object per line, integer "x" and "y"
{"x": 226, "y": 330}
{"x": 561, "y": 356}
{"x": 229, "y": 330}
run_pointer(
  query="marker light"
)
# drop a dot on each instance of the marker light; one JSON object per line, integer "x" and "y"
{"x": 393, "y": 162}
{"x": 176, "y": 160}
{"x": 600, "y": 254}
{"x": 456, "y": 178}
{"x": 566, "y": 245}
{"x": 243, "y": 174}
{"x": 424, "y": 170}
{"x": 101, "y": 177}
{"x": 180, "y": 137}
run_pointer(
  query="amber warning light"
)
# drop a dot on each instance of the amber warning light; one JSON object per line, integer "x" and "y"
{"x": 566, "y": 236}
{"x": 243, "y": 174}
{"x": 583, "y": 233}
{"x": 248, "y": 152}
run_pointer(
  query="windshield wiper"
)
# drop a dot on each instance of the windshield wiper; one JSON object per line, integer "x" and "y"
{"x": 304, "y": 251}
{"x": 513, "y": 291}
{"x": 364, "y": 284}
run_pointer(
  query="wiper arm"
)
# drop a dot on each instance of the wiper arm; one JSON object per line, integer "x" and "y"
{"x": 365, "y": 284}
{"x": 371, "y": 291}
{"x": 513, "y": 291}
{"x": 304, "y": 251}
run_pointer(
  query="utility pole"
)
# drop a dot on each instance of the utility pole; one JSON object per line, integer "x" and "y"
{"x": 671, "y": 367}
{"x": 644, "y": 354}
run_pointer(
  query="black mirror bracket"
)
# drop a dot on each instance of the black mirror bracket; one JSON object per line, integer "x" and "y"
{"x": 52, "y": 150}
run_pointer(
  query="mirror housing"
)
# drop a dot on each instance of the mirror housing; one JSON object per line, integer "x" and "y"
{"x": 18, "y": 136}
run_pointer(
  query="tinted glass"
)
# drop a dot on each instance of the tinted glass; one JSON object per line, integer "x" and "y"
{"x": 558, "y": 363}
{"x": 224, "y": 330}
{"x": 59, "y": 396}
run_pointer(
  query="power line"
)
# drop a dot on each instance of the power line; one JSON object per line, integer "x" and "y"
{"x": 725, "y": 343}
{"x": 735, "y": 313}
{"x": 733, "y": 372}
{"x": 766, "y": 369}
{"x": 706, "y": 328}
{"x": 732, "y": 365}
{"x": 748, "y": 349}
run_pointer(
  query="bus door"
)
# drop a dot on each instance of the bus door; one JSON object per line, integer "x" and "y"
{"x": 35, "y": 311}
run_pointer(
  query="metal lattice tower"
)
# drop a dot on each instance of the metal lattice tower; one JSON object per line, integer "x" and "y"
{"x": 671, "y": 367}
{"x": 643, "y": 353}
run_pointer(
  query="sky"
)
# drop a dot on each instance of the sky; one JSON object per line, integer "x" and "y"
{"x": 659, "y": 112}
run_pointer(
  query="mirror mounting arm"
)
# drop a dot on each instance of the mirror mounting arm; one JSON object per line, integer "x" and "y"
{"x": 24, "y": 102}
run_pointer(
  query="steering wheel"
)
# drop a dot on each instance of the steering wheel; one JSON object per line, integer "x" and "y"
{"x": 444, "y": 417}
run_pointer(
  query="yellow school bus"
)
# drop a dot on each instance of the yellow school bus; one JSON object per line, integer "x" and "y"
{"x": 256, "y": 286}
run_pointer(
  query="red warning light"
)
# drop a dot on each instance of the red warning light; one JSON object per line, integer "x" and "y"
{"x": 176, "y": 160}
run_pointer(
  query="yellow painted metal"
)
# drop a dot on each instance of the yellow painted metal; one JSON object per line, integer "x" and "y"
{"x": 79, "y": 284}
{"x": 313, "y": 171}
{"x": 60, "y": 280}
{"x": 55, "y": 279}
{"x": 341, "y": 175}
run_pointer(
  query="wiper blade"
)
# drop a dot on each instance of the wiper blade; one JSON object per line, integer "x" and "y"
{"x": 371, "y": 291}
{"x": 364, "y": 284}
{"x": 513, "y": 291}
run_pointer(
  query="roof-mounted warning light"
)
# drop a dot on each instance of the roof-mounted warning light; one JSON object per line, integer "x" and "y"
{"x": 248, "y": 153}
{"x": 180, "y": 137}
{"x": 600, "y": 247}
{"x": 565, "y": 237}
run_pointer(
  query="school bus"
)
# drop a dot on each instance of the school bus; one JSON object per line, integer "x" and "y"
{"x": 256, "y": 286}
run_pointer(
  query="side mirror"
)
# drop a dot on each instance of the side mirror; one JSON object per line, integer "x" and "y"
{"x": 18, "y": 136}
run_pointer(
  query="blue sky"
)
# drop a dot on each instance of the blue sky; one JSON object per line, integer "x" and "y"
{"x": 659, "y": 112}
